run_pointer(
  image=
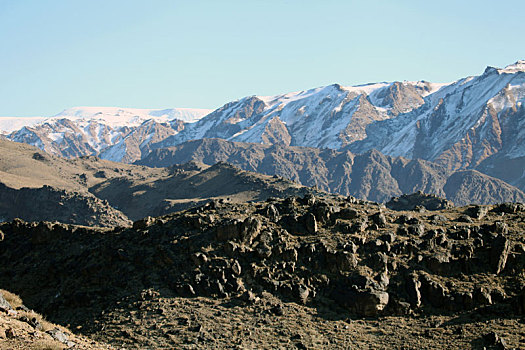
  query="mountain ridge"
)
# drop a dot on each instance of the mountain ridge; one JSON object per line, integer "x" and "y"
{"x": 371, "y": 175}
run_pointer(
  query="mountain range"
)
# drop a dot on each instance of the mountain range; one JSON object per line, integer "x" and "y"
{"x": 472, "y": 126}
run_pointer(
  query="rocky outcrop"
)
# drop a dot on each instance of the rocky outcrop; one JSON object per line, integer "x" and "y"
{"x": 51, "y": 204}
{"x": 309, "y": 256}
{"x": 418, "y": 200}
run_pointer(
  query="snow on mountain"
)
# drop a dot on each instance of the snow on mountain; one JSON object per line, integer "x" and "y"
{"x": 116, "y": 116}
{"x": 83, "y": 131}
{"x": 330, "y": 117}
{"x": 476, "y": 122}
{"x": 10, "y": 124}
{"x": 459, "y": 125}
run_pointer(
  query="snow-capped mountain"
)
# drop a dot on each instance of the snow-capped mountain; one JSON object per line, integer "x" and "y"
{"x": 476, "y": 122}
{"x": 327, "y": 117}
{"x": 83, "y": 131}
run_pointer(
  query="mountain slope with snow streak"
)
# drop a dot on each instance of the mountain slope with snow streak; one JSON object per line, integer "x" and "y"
{"x": 328, "y": 117}
{"x": 81, "y": 131}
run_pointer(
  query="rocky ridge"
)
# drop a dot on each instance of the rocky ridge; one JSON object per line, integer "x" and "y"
{"x": 371, "y": 176}
{"x": 455, "y": 275}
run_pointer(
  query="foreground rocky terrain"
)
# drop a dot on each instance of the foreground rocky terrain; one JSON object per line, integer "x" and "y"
{"x": 307, "y": 271}
{"x": 22, "y": 328}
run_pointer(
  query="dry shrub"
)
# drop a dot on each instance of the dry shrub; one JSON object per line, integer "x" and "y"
{"x": 47, "y": 344}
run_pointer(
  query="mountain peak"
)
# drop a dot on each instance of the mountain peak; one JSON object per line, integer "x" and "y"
{"x": 518, "y": 66}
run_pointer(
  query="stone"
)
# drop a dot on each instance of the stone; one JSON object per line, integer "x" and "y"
{"x": 433, "y": 292}
{"x": 388, "y": 237}
{"x": 58, "y": 335}
{"x": 499, "y": 254}
{"x": 302, "y": 293}
{"x": 35, "y": 324}
{"x": 371, "y": 303}
{"x": 477, "y": 212}
{"x": 413, "y": 290}
{"x": 230, "y": 230}
{"x": 250, "y": 229}
{"x": 199, "y": 259}
{"x": 143, "y": 224}
{"x": 310, "y": 223}
{"x": 272, "y": 213}
{"x": 10, "y": 333}
{"x": 236, "y": 268}
{"x": 379, "y": 219}
{"x": 521, "y": 301}
{"x": 249, "y": 297}
{"x": 493, "y": 338}
{"x": 418, "y": 200}
{"x": 348, "y": 214}
{"x": 482, "y": 296}
{"x": 438, "y": 263}
{"x": 4, "y": 304}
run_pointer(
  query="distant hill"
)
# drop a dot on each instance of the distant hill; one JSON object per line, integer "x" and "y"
{"x": 37, "y": 186}
{"x": 372, "y": 175}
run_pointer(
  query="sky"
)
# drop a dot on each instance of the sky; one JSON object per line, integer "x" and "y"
{"x": 56, "y": 54}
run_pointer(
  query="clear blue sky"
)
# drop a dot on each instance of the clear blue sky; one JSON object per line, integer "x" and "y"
{"x": 56, "y": 54}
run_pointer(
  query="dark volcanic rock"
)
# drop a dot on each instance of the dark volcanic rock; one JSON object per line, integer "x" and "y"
{"x": 419, "y": 199}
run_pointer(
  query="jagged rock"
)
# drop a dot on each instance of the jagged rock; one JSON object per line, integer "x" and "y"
{"x": 413, "y": 290}
{"x": 199, "y": 258}
{"x": 360, "y": 226}
{"x": 230, "y": 230}
{"x": 250, "y": 229}
{"x": 58, "y": 335}
{"x": 482, "y": 296}
{"x": 493, "y": 338}
{"x": 433, "y": 292}
{"x": 348, "y": 214}
{"x": 36, "y": 324}
{"x": 509, "y": 208}
{"x": 416, "y": 230}
{"x": 398, "y": 307}
{"x": 477, "y": 212}
{"x": 263, "y": 250}
{"x": 439, "y": 263}
{"x": 272, "y": 213}
{"x": 236, "y": 268}
{"x": 341, "y": 261}
{"x": 379, "y": 219}
{"x": 302, "y": 293}
{"x": 249, "y": 297}
{"x": 418, "y": 199}
{"x": 370, "y": 303}
{"x": 310, "y": 223}
{"x": 10, "y": 333}
{"x": 143, "y": 223}
{"x": 388, "y": 237}
{"x": 322, "y": 212}
{"x": 499, "y": 254}
{"x": 521, "y": 301}
{"x": 500, "y": 228}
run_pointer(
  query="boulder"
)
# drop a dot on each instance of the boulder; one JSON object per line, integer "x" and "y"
{"x": 229, "y": 230}
{"x": 310, "y": 223}
{"x": 370, "y": 303}
{"x": 499, "y": 253}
